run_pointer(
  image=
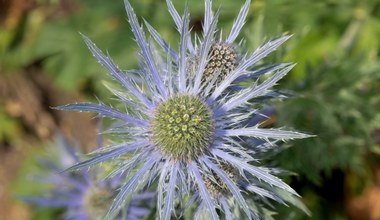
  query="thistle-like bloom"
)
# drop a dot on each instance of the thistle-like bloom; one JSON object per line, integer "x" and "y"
{"x": 189, "y": 126}
{"x": 83, "y": 195}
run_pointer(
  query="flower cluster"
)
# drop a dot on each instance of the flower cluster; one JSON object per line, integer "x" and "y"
{"x": 191, "y": 132}
{"x": 83, "y": 195}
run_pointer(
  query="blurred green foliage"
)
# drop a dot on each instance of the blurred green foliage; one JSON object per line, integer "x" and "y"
{"x": 336, "y": 83}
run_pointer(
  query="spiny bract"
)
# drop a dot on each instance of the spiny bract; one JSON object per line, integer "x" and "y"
{"x": 190, "y": 124}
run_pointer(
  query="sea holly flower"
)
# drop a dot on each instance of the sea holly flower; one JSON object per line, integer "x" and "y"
{"x": 188, "y": 124}
{"x": 83, "y": 195}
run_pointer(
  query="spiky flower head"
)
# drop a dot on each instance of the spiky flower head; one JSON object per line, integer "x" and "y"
{"x": 190, "y": 127}
{"x": 83, "y": 195}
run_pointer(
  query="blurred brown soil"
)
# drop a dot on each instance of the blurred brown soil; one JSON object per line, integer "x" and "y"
{"x": 366, "y": 205}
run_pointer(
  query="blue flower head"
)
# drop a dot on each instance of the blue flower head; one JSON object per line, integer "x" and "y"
{"x": 191, "y": 130}
{"x": 83, "y": 195}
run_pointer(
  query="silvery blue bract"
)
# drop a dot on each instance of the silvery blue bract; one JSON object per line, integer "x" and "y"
{"x": 190, "y": 128}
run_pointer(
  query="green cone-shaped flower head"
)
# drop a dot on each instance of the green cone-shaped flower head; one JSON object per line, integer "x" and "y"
{"x": 182, "y": 127}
